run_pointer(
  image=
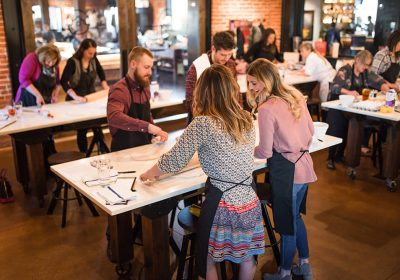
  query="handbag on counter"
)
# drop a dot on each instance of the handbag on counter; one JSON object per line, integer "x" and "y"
{"x": 6, "y": 194}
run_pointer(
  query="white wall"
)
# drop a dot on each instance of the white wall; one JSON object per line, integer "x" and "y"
{"x": 315, "y": 5}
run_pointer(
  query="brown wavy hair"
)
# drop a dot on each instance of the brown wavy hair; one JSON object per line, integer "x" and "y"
{"x": 267, "y": 73}
{"x": 215, "y": 95}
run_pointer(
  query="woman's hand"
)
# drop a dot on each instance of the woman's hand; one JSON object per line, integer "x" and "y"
{"x": 153, "y": 174}
{"x": 385, "y": 87}
{"x": 54, "y": 95}
{"x": 81, "y": 99}
{"x": 76, "y": 97}
{"x": 39, "y": 100}
{"x": 104, "y": 85}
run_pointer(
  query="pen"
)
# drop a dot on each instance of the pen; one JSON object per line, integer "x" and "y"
{"x": 133, "y": 185}
{"x": 124, "y": 172}
{"x": 115, "y": 193}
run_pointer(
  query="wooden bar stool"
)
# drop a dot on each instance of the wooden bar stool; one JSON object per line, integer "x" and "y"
{"x": 59, "y": 158}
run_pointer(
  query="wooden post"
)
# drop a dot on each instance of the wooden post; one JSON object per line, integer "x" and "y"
{"x": 44, "y": 5}
{"x": 28, "y": 25}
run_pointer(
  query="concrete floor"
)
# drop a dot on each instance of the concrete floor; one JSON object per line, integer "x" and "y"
{"x": 353, "y": 229}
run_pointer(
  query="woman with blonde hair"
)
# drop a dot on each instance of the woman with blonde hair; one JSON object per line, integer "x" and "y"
{"x": 230, "y": 225}
{"x": 39, "y": 77}
{"x": 286, "y": 131}
{"x": 317, "y": 67}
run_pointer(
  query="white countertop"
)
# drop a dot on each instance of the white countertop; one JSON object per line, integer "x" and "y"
{"x": 69, "y": 112}
{"x": 336, "y": 104}
{"x": 133, "y": 159}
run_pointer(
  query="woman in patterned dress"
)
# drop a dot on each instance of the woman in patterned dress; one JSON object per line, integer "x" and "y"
{"x": 230, "y": 225}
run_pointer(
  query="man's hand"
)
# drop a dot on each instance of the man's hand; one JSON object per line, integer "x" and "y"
{"x": 155, "y": 130}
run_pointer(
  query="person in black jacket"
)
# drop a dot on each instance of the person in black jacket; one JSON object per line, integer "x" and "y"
{"x": 78, "y": 80}
{"x": 266, "y": 48}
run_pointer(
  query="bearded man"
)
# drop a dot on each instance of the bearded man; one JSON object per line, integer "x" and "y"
{"x": 128, "y": 107}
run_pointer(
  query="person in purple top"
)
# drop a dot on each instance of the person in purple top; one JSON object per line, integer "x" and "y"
{"x": 39, "y": 77}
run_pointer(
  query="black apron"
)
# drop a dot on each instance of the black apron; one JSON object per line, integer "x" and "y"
{"x": 85, "y": 85}
{"x": 123, "y": 139}
{"x": 392, "y": 73}
{"x": 281, "y": 178}
{"x": 45, "y": 85}
{"x": 207, "y": 214}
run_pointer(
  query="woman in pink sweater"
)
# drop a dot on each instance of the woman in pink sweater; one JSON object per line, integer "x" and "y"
{"x": 286, "y": 131}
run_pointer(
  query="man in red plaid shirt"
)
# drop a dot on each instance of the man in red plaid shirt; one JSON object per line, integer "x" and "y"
{"x": 223, "y": 45}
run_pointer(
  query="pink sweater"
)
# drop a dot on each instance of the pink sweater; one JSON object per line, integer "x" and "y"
{"x": 30, "y": 71}
{"x": 280, "y": 131}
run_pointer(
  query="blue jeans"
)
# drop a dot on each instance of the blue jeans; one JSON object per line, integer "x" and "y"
{"x": 289, "y": 243}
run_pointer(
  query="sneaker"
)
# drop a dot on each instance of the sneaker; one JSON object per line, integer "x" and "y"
{"x": 330, "y": 164}
{"x": 276, "y": 276}
{"x": 303, "y": 270}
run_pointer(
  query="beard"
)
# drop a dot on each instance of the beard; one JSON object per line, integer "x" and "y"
{"x": 143, "y": 81}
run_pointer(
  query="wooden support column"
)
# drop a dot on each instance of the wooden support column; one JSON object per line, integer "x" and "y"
{"x": 44, "y": 5}
{"x": 196, "y": 28}
{"x": 127, "y": 31}
{"x": 28, "y": 25}
{"x": 292, "y": 22}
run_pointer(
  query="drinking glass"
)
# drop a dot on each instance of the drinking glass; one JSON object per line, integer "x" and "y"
{"x": 18, "y": 108}
{"x": 104, "y": 172}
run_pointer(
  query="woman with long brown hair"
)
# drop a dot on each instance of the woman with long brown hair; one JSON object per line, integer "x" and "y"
{"x": 230, "y": 225}
{"x": 286, "y": 131}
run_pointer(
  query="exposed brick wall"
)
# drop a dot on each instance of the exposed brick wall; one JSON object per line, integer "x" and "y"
{"x": 224, "y": 10}
{"x": 5, "y": 81}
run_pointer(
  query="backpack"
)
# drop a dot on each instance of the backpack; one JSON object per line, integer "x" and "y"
{"x": 6, "y": 194}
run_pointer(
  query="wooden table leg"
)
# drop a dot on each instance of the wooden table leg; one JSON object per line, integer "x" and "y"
{"x": 37, "y": 171}
{"x": 20, "y": 163}
{"x": 156, "y": 247}
{"x": 354, "y": 138}
{"x": 120, "y": 227}
{"x": 392, "y": 152}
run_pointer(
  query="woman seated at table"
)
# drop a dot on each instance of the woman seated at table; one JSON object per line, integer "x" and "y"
{"x": 286, "y": 131}
{"x": 266, "y": 48}
{"x": 230, "y": 225}
{"x": 317, "y": 67}
{"x": 349, "y": 80}
{"x": 78, "y": 80}
{"x": 387, "y": 61}
{"x": 39, "y": 77}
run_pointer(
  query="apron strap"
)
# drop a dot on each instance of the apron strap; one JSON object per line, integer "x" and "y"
{"x": 302, "y": 154}
{"x": 235, "y": 184}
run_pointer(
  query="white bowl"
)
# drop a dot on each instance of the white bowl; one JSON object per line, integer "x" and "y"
{"x": 165, "y": 94}
{"x": 346, "y": 100}
{"x": 320, "y": 129}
